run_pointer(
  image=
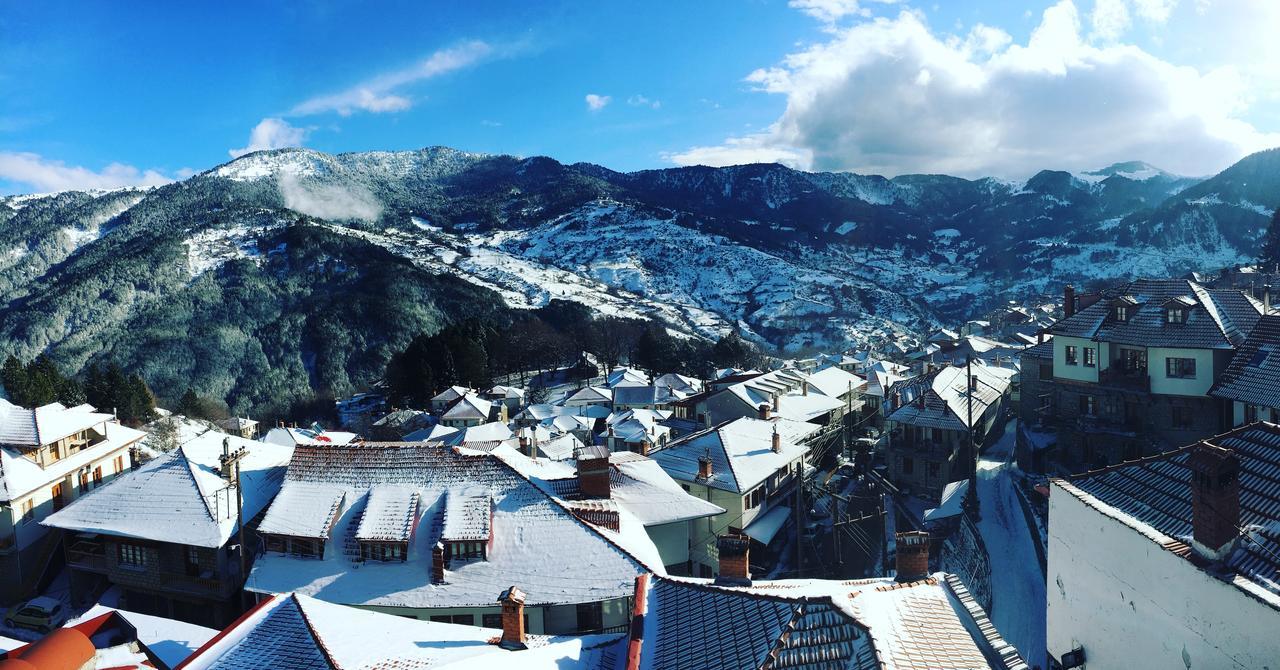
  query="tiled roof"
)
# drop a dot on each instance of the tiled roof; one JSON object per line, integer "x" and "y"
{"x": 1156, "y": 491}
{"x": 1253, "y": 377}
{"x": 1042, "y": 350}
{"x": 303, "y": 510}
{"x": 1216, "y": 318}
{"x": 390, "y": 514}
{"x": 847, "y": 625}
{"x": 946, "y": 397}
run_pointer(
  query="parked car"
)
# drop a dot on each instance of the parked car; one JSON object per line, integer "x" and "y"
{"x": 42, "y": 614}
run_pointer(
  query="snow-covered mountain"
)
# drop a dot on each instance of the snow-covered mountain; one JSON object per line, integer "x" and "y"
{"x": 793, "y": 258}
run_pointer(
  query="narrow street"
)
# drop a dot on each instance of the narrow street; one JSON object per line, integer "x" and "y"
{"x": 1018, "y": 598}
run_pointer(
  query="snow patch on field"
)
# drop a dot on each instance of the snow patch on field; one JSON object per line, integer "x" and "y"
{"x": 847, "y": 227}
{"x": 211, "y": 249}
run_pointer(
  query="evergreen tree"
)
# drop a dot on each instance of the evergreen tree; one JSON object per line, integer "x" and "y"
{"x": 1270, "y": 256}
{"x": 189, "y": 404}
{"x": 164, "y": 436}
{"x": 14, "y": 377}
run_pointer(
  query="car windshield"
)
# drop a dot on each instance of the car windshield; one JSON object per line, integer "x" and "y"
{"x": 32, "y": 611}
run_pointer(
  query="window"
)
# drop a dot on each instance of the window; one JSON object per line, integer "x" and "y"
{"x": 934, "y": 469}
{"x": 1088, "y": 405}
{"x": 908, "y": 465}
{"x": 1122, "y": 312}
{"x": 1133, "y": 360}
{"x": 192, "y": 562}
{"x": 132, "y": 555}
{"x": 1180, "y": 368}
{"x": 97, "y": 476}
{"x": 752, "y": 499}
{"x": 1250, "y": 413}
{"x": 119, "y": 463}
{"x": 28, "y": 510}
{"x": 56, "y": 493}
{"x": 1181, "y": 416}
{"x": 590, "y": 617}
{"x": 1090, "y": 357}
{"x": 1070, "y": 352}
{"x": 464, "y": 619}
{"x": 277, "y": 543}
{"x": 84, "y": 480}
{"x": 465, "y": 549}
{"x": 1275, "y": 415}
{"x": 491, "y": 620}
{"x": 381, "y": 551}
{"x": 55, "y": 453}
{"x": 1175, "y": 315}
{"x": 306, "y": 547}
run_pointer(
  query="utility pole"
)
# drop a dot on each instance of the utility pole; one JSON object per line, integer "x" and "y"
{"x": 973, "y": 447}
{"x": 228, "y": 461}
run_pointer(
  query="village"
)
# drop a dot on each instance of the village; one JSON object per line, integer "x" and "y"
{"x": 1088, "y": 479}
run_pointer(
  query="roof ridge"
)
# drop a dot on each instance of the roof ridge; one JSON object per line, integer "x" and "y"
{"x": 180, "y": 452}
{"x": 311, "y": 630}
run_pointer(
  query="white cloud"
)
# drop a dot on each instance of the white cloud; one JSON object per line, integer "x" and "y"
{"x": 45, "y": 175}
{"x": 1110, "y": 19}
{"x": 596, "y": 102}
{"x": 641, "y": 101}
{"x": 271, "y": 133}
{"x": 329, "y": 201}
{"x": 861, "y": 102}
{"x": 832, "y": 11}
{"x": 377, "y": 94}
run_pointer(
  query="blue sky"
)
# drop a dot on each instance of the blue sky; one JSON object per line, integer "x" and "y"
{"x": 96, "y": 94}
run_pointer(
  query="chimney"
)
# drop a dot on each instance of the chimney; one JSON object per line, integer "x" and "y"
{"x": 437, "y": 563}
{"x": 704, "y": 467}
{"x": 1266, "y": 298}
{"x": 804, "y": 388}
{"x": 512, "y": 619}
{"x": 777, "y": 401}
{"x": 593, "y": 472}
{"x": 912, "y": 555}
{"x": 777, "y": 441}
{"x": 645, "y": 447}
{"x": 1215, "y": 500}
{"x": 765, "y": 411}
{"x": 524, "y": 442}
{"x": 734, "y": 550}
{"x": 1068, "y": 300}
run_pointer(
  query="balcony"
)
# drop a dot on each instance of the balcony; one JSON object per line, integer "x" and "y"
{"x": 1129, "y": 379}
{"x": 87, "y": 555}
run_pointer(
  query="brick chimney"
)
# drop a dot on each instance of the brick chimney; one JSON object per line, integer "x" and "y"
{"x": 593, "y": 472}
{"x": 777, "y": 402}
{"x": 437, "y": 563}
{"x": 777, "y": 441}
{"x": 524, "y": 442}
{"x": 1215, "y": 500}
{"x": 512, "y": 618}
{"x": 765, "y": 411}
{"x": 804, "y": 388}
{"x": 645, "y": 447}
{"x": 734, "y": 550}
{"x": 1068, "y": 300}
{"x": 704, "y": 467}
{"x": 912, "y": 555}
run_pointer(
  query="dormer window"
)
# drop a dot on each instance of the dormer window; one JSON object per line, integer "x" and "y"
{"x": 1122, "y": 313}
{"x": 1174, "y": 314}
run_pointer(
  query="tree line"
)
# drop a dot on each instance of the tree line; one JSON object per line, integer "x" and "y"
{"x": 108, "y": 388}
{"x": 475, "y": 352}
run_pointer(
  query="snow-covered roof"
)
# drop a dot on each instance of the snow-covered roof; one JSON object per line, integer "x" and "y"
{"x": 451, "y": 394}
{"x": 495, "y": 431}
{"x": 296, "y": 631}
{"x": 590, "y": 394}
{"x": 836, "y": 382}
{"x": 741, "y": 453}
{"x": 679, "y": 383}
{"x": 626, "y": 377}
{"x": 390, "y": 514}
{"x": 467, "y": 515}
{"x": 437, "y": 432}
{"x": 303, "y": 510}
{"x": 295, "y": 436}
{"x": 180, "y": 497}
{"x": 637, "y": 483}
{"x": 946, "y": 395}
{"x": 46, "y": 424}
{"x": 536, "y": 542}
{"x": 642, "y": 395}
{"x": 467, "y": 408}
{"x": 506, "y": 392}
{"x": 952, "y": 503}
{"x": 860, "y": 624}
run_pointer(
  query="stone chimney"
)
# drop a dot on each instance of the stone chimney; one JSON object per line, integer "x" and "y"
{"x": 777, "y": 441}
{"x": 593, "y": 472}
{"x": 912, "y": 555}
{"x": 777, "y": 402}
{"x": 437, "y": 563}
{"x": 1068, "y": 300}
{"x": 512, "y": 618}
{"x": 804, "y": 388}
{"x": 1215, "y": 500}
{"x": 765, "y": 411}
{"x": 734, "y": 550}
{"x": 704, "y": 467}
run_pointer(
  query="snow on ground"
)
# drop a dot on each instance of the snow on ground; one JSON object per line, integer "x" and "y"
{"x": 1017, "y": 585}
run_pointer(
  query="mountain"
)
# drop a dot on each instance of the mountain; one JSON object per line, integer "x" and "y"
{"x": 289, "y": 271}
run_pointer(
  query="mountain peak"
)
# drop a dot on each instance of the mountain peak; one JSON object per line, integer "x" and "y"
{"x": 1135, "y": 170}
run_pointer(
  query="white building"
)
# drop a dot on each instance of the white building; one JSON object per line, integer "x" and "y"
{"x": 49, "y": 457}
{"x": 1171, "y": 561}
